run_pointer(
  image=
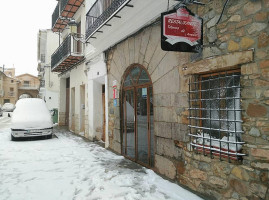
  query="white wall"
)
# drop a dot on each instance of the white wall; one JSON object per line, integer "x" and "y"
{"x": 96, "y": 78}
{"x": 52, "y": 45}
{"x": 52, "y": 99}
{"x": 132, "y": 19}
{"x": 52, "y": 81}
{"x": 78, "y": 77}
{"x": 62, "y": 95}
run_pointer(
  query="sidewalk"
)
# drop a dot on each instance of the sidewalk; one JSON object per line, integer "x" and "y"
{"x": 127, "y": 164}
{"x": 68, "y": 167}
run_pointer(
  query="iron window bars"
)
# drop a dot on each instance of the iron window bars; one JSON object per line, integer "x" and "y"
{"x": 215, "y": 115}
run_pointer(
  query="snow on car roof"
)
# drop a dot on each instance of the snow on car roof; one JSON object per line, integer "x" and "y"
{"x": 31, "y": 113}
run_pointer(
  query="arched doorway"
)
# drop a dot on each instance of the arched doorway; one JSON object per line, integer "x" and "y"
{"x": 137, "y": 116}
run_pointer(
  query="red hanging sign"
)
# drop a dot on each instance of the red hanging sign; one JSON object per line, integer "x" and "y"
{"x": 181, "y": 31}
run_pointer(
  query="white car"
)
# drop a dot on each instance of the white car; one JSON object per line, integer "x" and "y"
{"x": 8, "y": 107}
{"x": 31, "y": 118}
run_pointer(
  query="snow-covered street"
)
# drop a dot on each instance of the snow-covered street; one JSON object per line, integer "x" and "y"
{"x": 68, "y": 167}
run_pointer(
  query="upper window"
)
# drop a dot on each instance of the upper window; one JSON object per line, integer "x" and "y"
{"x": 26, "y": 83}
{"x": 136, "y": 76}
{"x": 215, "y": 114}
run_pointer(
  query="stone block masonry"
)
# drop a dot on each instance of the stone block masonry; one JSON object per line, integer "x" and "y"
{"x": 239, "y": 41}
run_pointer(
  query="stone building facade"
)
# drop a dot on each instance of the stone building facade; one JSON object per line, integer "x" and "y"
{"x": 15, "y": 86}
{"x": 28, "y": 84}
{"x": 238, "y": 41}
{"x": 9, "y": 92}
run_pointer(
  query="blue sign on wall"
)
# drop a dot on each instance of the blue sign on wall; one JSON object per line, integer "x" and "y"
{"x": 115, "y": 102}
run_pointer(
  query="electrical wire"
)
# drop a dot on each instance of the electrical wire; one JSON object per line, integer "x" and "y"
{"x": 227, "y": 1}
{"x": 168, "y": 5}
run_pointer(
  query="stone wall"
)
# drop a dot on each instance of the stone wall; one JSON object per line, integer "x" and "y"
{"x": 243, "y": 26}
{"x": 144, "y": 48}
{"x": 239, "y": 40}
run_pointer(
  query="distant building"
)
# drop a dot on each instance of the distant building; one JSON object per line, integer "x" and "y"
{"x": 8, "y": 87}
{"x": 28, "y": 84}
{"x": 49, "y": 81}
{"x": 12, "y": 87}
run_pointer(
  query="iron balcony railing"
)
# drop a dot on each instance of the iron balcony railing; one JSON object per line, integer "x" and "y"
{"x": 64, "y": 10}
{"x": 100, "y": 13}
{"x": 55, "y": 15}
{"x": 71, "y": 46}
{"x": 63, "y": 4}
{"x": 28, "y": 87}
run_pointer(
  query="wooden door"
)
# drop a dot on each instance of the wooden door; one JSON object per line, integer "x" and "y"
{"x": 104, "y": 117}
{"x": 67, "y": 100}
{"x": 82, "y": 107}
{"x": 137, "y": 113}
{"x": 67, "y": 107}
{"x": 73, "y": 119}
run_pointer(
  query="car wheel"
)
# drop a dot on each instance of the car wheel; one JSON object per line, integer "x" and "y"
{"x": 13, "y": 138}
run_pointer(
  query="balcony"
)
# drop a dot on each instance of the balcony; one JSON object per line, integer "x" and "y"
{"x": 28, "y": 87}
{"x": 101, "y": 12}
{"x": 64, "y": 9}
{"x": 109, "y": 23}
{"x": 68, "y": 54}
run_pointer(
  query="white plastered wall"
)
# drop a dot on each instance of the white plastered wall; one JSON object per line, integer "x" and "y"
{"x": 78, "y": 77}
{"x": 52, "y": 81}
{"x": 97, "y": 77}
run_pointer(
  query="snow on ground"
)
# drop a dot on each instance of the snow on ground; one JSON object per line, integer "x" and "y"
{"x": 68, "y": 167}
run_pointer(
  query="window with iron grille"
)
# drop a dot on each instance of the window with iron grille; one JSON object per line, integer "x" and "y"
{"x": 215, "y": 115}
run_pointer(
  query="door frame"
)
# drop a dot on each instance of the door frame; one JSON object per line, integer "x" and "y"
{"x": 73, "y": 109}
{"x": 82, "y": 108}
{"x": 124, "y": 129}
{"x": 134, "y": 87}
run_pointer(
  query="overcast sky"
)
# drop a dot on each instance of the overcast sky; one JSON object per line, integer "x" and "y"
{"x": 20, "y": 23}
